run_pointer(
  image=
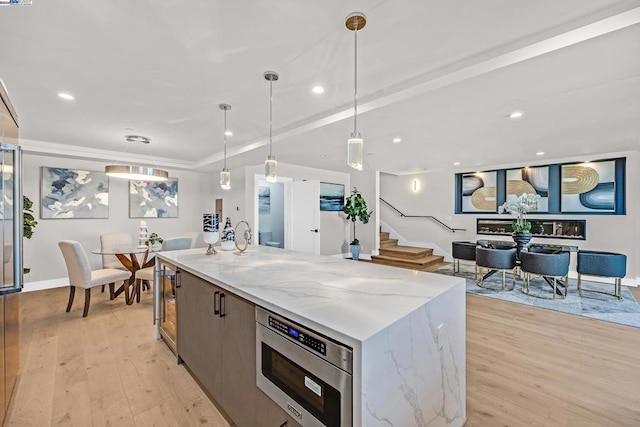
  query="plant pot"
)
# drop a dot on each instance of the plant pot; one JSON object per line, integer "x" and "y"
{"x": 521, "y": 239}
{"x": 227, "y": 245}
{"x": 155, "y": 247}
{"x": 355, "y": 252}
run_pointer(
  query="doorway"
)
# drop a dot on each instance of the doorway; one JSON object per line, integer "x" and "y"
{"x": 271, "y": 213}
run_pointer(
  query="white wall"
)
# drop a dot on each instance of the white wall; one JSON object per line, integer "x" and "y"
{"x": 334, "y": 237}
{"x": 41, "y": 252}
{"x": 615, "y": 233}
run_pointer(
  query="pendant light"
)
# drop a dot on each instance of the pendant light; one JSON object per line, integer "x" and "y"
{"x": 136, "y": 172}
{"x": 354, "y": 22}
{"x": 225, "y": 175}
{"x": 270, "y": 165}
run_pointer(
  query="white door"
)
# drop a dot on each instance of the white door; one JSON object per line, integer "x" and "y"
{"x": 303, "y": 217}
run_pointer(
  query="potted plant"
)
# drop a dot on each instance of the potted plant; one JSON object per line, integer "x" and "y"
{"x": 519, "y": 207}
{"x": 155, "y": 242}
{"x": 355, "y": 207}
{"x": 28, "y": 222}
{"x": 227, "y": 242}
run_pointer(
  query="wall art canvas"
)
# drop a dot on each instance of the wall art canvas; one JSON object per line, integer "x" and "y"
{"x": 74, "y": 193}
{"x": 331, "y": 197}
{"x": 530, "y": 180}
{"x": 153, "y": 199}
{"x": 264, "y": 199}
{"x": 588, "y": 187}
{"x": 479, "y": 192}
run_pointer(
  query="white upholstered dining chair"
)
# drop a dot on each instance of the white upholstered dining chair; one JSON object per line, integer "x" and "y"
{"x": 111, "y": 241}
{"x": 81, "y": 275}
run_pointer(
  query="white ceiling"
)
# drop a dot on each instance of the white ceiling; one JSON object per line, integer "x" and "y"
{"x": 443, "y": 76}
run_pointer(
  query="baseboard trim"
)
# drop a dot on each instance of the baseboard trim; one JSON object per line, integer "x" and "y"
{"x": 45, "y": 284}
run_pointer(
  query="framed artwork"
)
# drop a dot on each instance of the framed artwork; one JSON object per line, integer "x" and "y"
{"x": 589, "y": 187}
{"x": 153, "y": 199}
{"x": 530, "y": 180}
{"x": 331, "y": 197}
{"x": 73, "y": 193}
{"x": 586, "y": 188}
{"x": 479, "y": 192}
{"x": 264, "y": 199}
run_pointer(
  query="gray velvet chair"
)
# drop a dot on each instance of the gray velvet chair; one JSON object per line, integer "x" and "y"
{"x": 496, "y": 260}
{"x": 81, "y": 275}
{"x": 550, "y": 266}
{"x": 463, "y": 251}
{"x": 602, "y": 264}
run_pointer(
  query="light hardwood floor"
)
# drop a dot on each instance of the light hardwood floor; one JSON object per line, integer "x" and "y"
{"x": 525, "y": 367}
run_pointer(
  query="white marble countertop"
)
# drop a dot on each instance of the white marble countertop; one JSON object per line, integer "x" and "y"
{"x": 347, "y": 300}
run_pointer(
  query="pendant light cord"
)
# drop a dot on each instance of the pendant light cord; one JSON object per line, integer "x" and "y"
{"x": 225, "y": 138}
{"x": 355, "y": 79}
{"x": 270, "y": 115}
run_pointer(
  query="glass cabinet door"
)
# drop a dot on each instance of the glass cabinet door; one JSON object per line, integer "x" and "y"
{"x": 166, "y": 285}
{"x": 10, "y": 218}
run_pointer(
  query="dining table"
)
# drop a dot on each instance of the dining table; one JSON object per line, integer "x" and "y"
{"x": 128, "y": 256}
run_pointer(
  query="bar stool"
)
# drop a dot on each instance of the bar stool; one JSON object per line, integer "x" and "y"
{"x": 602, "y": 264}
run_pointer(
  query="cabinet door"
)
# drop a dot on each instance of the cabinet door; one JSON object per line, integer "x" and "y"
{"x": 198, "y": 329}
{"x": 238, "y": 360}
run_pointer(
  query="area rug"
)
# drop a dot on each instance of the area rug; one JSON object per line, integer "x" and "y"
{"x": 625, "y": 312}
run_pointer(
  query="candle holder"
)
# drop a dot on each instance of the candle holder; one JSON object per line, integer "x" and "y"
{"x": 143, "y": 235}
{"x": 210, "y": 231}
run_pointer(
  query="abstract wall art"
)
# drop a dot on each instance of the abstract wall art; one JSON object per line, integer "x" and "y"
{"x": 331, "y": 197}
{"x": 264, "y": 199}
{"x": 73, "y": 193}
{"x": 153, "y": 199}
{"x": 479, "y": 192}
{"x": 594, "y": 188}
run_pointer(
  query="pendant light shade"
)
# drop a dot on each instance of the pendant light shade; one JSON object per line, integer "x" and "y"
{"x": 136, "y": 172}
{"x": 270, "y": 165}
{"x": 225, "y": 175}
{"x": 355, "y": 145}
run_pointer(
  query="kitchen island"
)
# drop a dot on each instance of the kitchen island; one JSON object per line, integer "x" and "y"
{"x": 406, "y": 328}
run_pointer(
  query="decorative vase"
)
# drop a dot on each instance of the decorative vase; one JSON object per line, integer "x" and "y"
{"x": 521, "y": 239}
{"x": 355, "y": 252}
{"x": 227, "y": 245}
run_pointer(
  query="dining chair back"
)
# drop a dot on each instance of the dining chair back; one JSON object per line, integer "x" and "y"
{"x": 496, "y": 260}
{"x": 197, "y": 239}
{"x": 81, "y": 276}
{"x": 551, "y": 266}
{"x": 111, "y": 241}
{"x": 602, "y": 264}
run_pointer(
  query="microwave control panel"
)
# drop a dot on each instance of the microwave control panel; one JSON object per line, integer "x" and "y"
{"x": 299, "y": 335}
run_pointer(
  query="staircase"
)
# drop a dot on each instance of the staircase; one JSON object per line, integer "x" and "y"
{"x": 406, "y": 256}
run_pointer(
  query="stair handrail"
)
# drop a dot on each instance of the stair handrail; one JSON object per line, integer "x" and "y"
{"x": 453, "y": 230}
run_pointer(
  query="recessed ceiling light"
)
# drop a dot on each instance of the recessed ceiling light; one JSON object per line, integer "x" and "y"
{"x": 228, "y": 133}
{"x": 516, "y": 115}
{"x": 456, "y": 164}
{"x": 397, "y": 140}
{"x": 323, "y": 155}
{"x": 540, "y": 153}
{"x": 66, "y": 96}
{"x": 317, "y": 89}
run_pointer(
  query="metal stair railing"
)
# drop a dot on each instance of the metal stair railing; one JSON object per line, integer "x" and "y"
{"x": 453, "y": 230}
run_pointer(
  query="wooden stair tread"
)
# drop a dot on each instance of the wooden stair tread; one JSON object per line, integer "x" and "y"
{"x": 404, "y": 262}
{"x": 410, "y": 250}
